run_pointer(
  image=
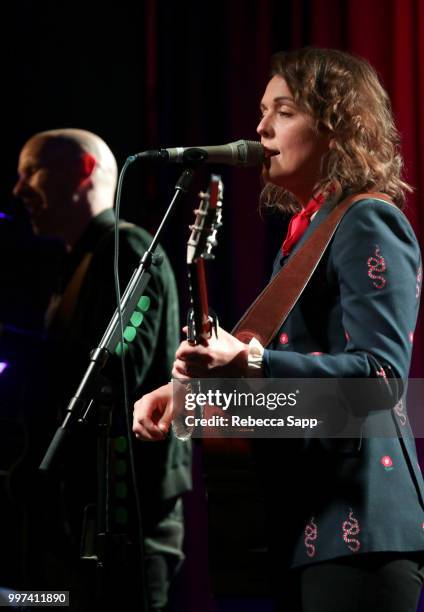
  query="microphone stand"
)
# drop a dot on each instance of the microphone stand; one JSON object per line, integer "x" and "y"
{"x": 91, "y": 388}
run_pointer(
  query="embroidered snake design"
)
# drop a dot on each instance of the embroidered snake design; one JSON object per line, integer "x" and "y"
{"x": 351, "y": 528}
{"x": 377, "y": 263}
{"x": 399, "y": 411}
{"x": 311, "y": 534}
{"x": 419, "y": 279}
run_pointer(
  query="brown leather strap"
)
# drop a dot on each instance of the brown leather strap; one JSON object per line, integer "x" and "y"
{"x": 268, "y": 312}
{"x": 61, "y": 308}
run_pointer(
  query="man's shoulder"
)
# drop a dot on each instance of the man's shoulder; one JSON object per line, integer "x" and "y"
{"x": 135, "y": 235}
{"x": 132, "y": 237}
{"x": 133, "y": 243}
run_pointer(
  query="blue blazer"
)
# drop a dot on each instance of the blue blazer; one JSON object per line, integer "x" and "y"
{"x": 329, "y": 498}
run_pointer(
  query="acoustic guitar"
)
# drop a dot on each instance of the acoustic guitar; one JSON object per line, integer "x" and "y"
{"x": 235, "y": 510}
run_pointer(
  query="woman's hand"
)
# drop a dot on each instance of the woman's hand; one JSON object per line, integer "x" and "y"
{"x": 221, "y": 356}
{"x": 153, "y": 414}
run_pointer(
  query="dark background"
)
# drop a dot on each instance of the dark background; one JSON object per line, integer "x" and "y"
{"x": 165, "y": 73}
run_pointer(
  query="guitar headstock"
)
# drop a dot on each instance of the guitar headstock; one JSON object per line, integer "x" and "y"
{"x": 208, "y": 220}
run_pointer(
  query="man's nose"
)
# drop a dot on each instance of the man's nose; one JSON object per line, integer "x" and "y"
{"x": 19, "y": 188}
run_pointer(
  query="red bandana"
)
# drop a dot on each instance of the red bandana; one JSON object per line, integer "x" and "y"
{"x": 299, "y": 223}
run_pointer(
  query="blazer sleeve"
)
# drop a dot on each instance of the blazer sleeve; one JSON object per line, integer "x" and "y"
{"x": 375, "y": 262}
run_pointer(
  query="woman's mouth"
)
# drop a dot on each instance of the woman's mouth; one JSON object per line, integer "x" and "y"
{"x": 268, "y": 154}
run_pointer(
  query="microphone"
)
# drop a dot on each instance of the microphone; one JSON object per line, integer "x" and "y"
{"x": 239, "y": 153}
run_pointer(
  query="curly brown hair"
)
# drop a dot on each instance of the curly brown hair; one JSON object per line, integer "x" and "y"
{"x": 343, "y": 94}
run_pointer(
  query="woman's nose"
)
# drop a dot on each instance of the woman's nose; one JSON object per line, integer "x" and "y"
{"x": 264, "y": 127}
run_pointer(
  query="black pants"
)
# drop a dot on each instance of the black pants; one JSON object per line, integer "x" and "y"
{"x": 375, "y": 582}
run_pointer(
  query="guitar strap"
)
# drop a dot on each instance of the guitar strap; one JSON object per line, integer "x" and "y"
{"x": 62, "y": 307}
{"x": 271, "y": 308}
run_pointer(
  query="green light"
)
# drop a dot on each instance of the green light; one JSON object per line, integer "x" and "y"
{"x": 130, "y": 333}
{"x": 144, "y": 303}
{"x": 118, "y": 349}
{"x": 121, "y": 515}
{"x": 137, "y": 318}
{"x": 120, "y": 444}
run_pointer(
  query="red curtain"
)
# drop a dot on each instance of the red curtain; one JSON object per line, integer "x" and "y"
{"x": 222, "y": 61}
{"x": 223, "y": 98}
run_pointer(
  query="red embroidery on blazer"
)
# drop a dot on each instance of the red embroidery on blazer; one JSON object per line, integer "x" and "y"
{"x": 399, "y": 409}
{"x": 419, "y": 281}
{"x": 351, "y": 527}
{"x": 284, "y": 339}
{"x": 377, "y": 263}
{"x": 311, "y": 534}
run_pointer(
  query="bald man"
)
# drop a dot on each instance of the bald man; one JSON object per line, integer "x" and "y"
{"x": 67, "y": 181}
{"x": 66, "y": 178}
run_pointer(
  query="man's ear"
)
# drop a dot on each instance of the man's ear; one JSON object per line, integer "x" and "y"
{"x": 87, "y": 164}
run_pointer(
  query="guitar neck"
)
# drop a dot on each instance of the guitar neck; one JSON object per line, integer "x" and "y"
{"x": 199, "y": 323}
{"x": 199, "y": 247}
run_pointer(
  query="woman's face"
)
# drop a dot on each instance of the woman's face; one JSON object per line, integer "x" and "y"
{"x": 293, "y": 146}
